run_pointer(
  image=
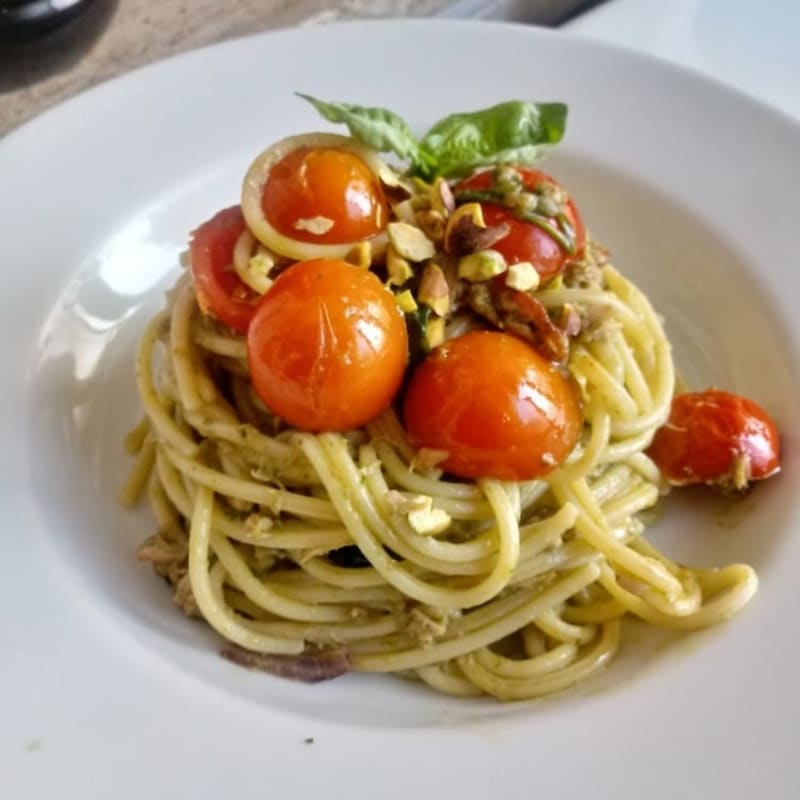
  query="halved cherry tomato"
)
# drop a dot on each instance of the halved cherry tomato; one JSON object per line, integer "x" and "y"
{"x": 220, "y": 291}
{"x": 718, "y": 438}
{"x": 526, "y": 241}
{"x": 327, "y": 347}
{"x": 324, "y": 186}
{"x": 495, "y": 405}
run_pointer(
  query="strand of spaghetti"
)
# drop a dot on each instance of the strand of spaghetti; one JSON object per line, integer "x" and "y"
{"x": 404, "y": 476}
{"x": 387, "y": 427}
{"x": 591, "y": 527}
{"x": 439, "y": 677}
{"x": 338, "y": 595}
{"x": 738, "y": 585}
{"x": 657, "y": 347}
{"x": 558, "y": 298}
{"x": 599, "y": 434}
{"x": 634, "y": 379}
{"x": 645, "y": 466}
{"x": 331, "y": 633}
{"x": 263, "y": 595}
{"x": 458, "y": 645}
{"x": 135, "y": 437}
{"x": 560, "y": 657}
{"x": 157, "y": 412}
{"x": 612, "y": 482}
{"x": 615, "y": 399}
{"x": 347, "y": 578}
{"x": 518, "y": 689}
{"x": 604, "y": 349}
{"x": 568, "y": 556}
{"x": 277, "y": 500}
{"x": 536, "y": 536}
{"x": 479, "y": 548}
{"x": 350, "y": 502}
{"x": 392, "y": 531}
{"x": 167, "y": 516}
{"x": 289, "y": 535}
{"x": 622, "y": 450}
{"x": 556, "y": 628}
{"x": 218, "y": 615}
{"x": 139, "y": 474}
{"x": 453, "y": 555}
{"x": 638, "y": 498}
{"x": 595, "y": 613}
{"x": 219, "y": 344}
{"x": 185, "y": 363}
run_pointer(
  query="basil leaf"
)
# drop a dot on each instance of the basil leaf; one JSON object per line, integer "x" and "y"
{"x": 378, "y": 128}
{"x": 515, "y": 132}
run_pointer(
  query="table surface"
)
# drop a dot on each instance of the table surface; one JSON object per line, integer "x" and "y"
{"x": 746, "y": 43}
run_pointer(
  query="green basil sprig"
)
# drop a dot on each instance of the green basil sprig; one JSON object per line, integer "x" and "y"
{"x": 515, "y": 132}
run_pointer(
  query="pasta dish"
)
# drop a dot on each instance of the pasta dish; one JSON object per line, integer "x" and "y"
{"x": 414, "y": 420}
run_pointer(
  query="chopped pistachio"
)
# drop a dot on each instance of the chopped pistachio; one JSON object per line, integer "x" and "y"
{"x": 406, "y": 301}
{"x": 434, "y": 332}
{"x": 434, "y": 290}
{"x": 429, "y": 521}
{"x": 404, "y": 211}
{"x": 317, "y": 225}
{"x": 432, "y": 223}
{"x": 441, "y": 197}
{"x": 481, "y": 266}
{"x": 522, "y": 276}
{"x": 398, "y": 268}
{"x": 526, "y": 203}
{"x": 507, "y": 180}
{"x": 410, "y": 242}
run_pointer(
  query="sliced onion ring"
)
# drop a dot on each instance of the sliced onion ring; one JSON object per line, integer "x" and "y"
{"x": 253, "y": 189}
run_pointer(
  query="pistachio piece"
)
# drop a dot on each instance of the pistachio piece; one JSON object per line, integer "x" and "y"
{"x": 406, "y": 301}
{"x": 429, "y": 521}
{"x": 398, "y": 268}
{"x": 522, "y": 276}
{"x": 441, "y": 196}
{"x": 467, "y": 232}
{"x": 434, "y": 290}
{"x": 410, "y": 242}
{"x": 432, "y": 223}
{"x": 404, "y": 211}
{"x": 481, "y": 266}
{"x": 434, "y": 332}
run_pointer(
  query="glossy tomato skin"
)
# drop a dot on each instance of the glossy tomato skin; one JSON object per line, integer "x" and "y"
{"x": 220, "y": 291}
{"x": 526, "y": 241}
{"x": 495, "y": 405}
{"x": 329, "y": 183}
{"x": 327, "y": 347}
{"x": 708, "y": 433}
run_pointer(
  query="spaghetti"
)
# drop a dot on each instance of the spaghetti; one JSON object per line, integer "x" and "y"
{"x": 295, "y": 544}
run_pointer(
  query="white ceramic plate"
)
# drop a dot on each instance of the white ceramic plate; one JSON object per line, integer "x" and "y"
{"x": 107, "y": 691}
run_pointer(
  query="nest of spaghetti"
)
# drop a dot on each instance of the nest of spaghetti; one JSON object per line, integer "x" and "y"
{"x": 317, "y": 553}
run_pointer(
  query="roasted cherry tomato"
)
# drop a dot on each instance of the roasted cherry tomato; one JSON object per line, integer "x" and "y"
{"x": 526, "y": 241}
{"x": 717, "y": 438}
{"x": 496, "y": 406}
{"x": 220, "y": 291}
{"x": 327, "y": 347}
{"x": 325, "y": 195}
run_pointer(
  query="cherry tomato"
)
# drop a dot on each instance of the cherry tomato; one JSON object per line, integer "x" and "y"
{"x": 526, "y": 241}
{"x": 327, "y": 347}
{"x": 495, "y": 405}
{"x": 326, "y": 183}
{"x": 220, "y": 291}
{"x": 717, "y": 438}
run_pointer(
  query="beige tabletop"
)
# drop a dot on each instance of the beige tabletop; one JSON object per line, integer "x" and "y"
{"x": 137, "y": 32}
